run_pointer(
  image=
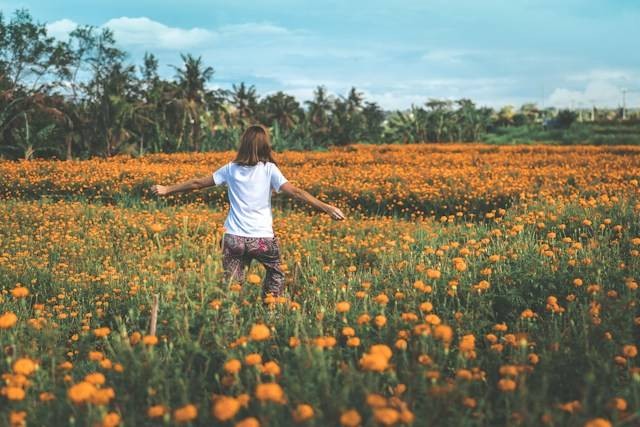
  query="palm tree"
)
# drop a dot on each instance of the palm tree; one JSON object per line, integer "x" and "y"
{"x": 373, "y": 118}
{"x": 191, "y": 80}
{"x": 318, "y": 114}
{"x": 282, "y": 109}
{"x": 438, "y": 117}
{"x": 245, "y": 101}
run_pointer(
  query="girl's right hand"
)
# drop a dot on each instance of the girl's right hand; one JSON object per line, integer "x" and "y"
{"x": 160, "y": 190}
{"x": 334, "y": 212}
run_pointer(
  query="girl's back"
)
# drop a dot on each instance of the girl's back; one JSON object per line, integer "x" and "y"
{"x": 250, "y": 197}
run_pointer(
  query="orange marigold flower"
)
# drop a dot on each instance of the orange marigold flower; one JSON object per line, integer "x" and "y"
{"x": 24, "y": 366}
{"x": 248, "y": 422}
{"x": 353, "y": 342}
{"x": 101, "y": 332}
{"x": 81, "y": 392}
{"x": 380, "y": 320}
{"x": 20, "y": 292}
{"x": 13, "y": 393}
{"x": 232, "y": 366}
{"x": 8, "y": 320}
{"x": 302, "y": 413}
{"x": 270, "y": 392}
{"x": 18, "y": 418}
{"x": 112, "y": 419}
{"x": 598, "y": 422}
{"x": 343, "y": 307}
{"x": 150, "y": 340}
{"x": 271, "y": 368}
{"x": 376, "y": 400}
{"x": 259, "y": 332}
{"x": 374, "y": 362}
{"x": 254, "y": 279}
{"x": 630, "y": 350}
{"x": 156, "y": 411}
{"x": 95, "y": 378}
{"x": 253, "y": 359}
{"x": 386, "y": 416}
{"x": 185, "y": 413}
{"x": 350, "y": 418}
{"x": 444, "y": 333}
{"x": 506, "y": 384}
{"x": 433, "y": 273}
{"x": 225, "y": 408}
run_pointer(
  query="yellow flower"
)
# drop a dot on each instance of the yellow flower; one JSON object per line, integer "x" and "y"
{"x": 259, "y": 332}
{"x": 225, "y": 408}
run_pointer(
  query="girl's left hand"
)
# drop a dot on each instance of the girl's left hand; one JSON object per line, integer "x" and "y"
{"x": 160, "y": 190}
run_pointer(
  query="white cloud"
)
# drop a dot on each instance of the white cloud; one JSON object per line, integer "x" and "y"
{"x": 601, "y": 87}
{"x": 253, "y": 28}
{"x": 60, "y": 29}
{"x": 604, "y": 74}
{"x": 146, "y": 33}
{"x": 447, "y": 56}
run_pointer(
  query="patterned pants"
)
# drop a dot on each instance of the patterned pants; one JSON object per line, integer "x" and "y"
{"x": 239, "y": 251}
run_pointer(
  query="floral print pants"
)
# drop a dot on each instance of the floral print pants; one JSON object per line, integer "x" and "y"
{"x": 239, "y": 251}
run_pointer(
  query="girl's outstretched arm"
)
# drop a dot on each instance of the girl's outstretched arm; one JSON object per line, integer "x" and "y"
{"x": 300, "y": 194}
{"x": 192, "y": 184}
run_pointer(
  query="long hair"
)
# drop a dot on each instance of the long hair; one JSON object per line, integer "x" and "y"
{"x": 255, "y": 146}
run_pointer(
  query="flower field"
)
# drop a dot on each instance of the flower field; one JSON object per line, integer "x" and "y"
{"x": 470, "y": 285}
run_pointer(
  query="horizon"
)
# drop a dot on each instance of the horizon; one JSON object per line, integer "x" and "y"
{"x": 394, "y": 62}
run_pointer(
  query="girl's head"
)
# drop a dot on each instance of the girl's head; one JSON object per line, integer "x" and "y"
{"x": 255, "y": 146}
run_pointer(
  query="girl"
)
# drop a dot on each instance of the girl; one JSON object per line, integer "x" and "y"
{"x": 248, "y": 227}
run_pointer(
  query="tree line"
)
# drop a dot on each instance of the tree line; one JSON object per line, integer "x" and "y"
{"x": 79, "y": 97}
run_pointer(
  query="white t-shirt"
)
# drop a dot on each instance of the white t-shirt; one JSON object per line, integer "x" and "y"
{"x": 250, "y": 197}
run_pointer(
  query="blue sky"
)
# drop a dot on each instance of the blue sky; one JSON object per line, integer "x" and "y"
{"x": 560, "y": 53}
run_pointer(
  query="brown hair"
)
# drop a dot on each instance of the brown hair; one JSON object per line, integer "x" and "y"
{"x": 255, "y": 146}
